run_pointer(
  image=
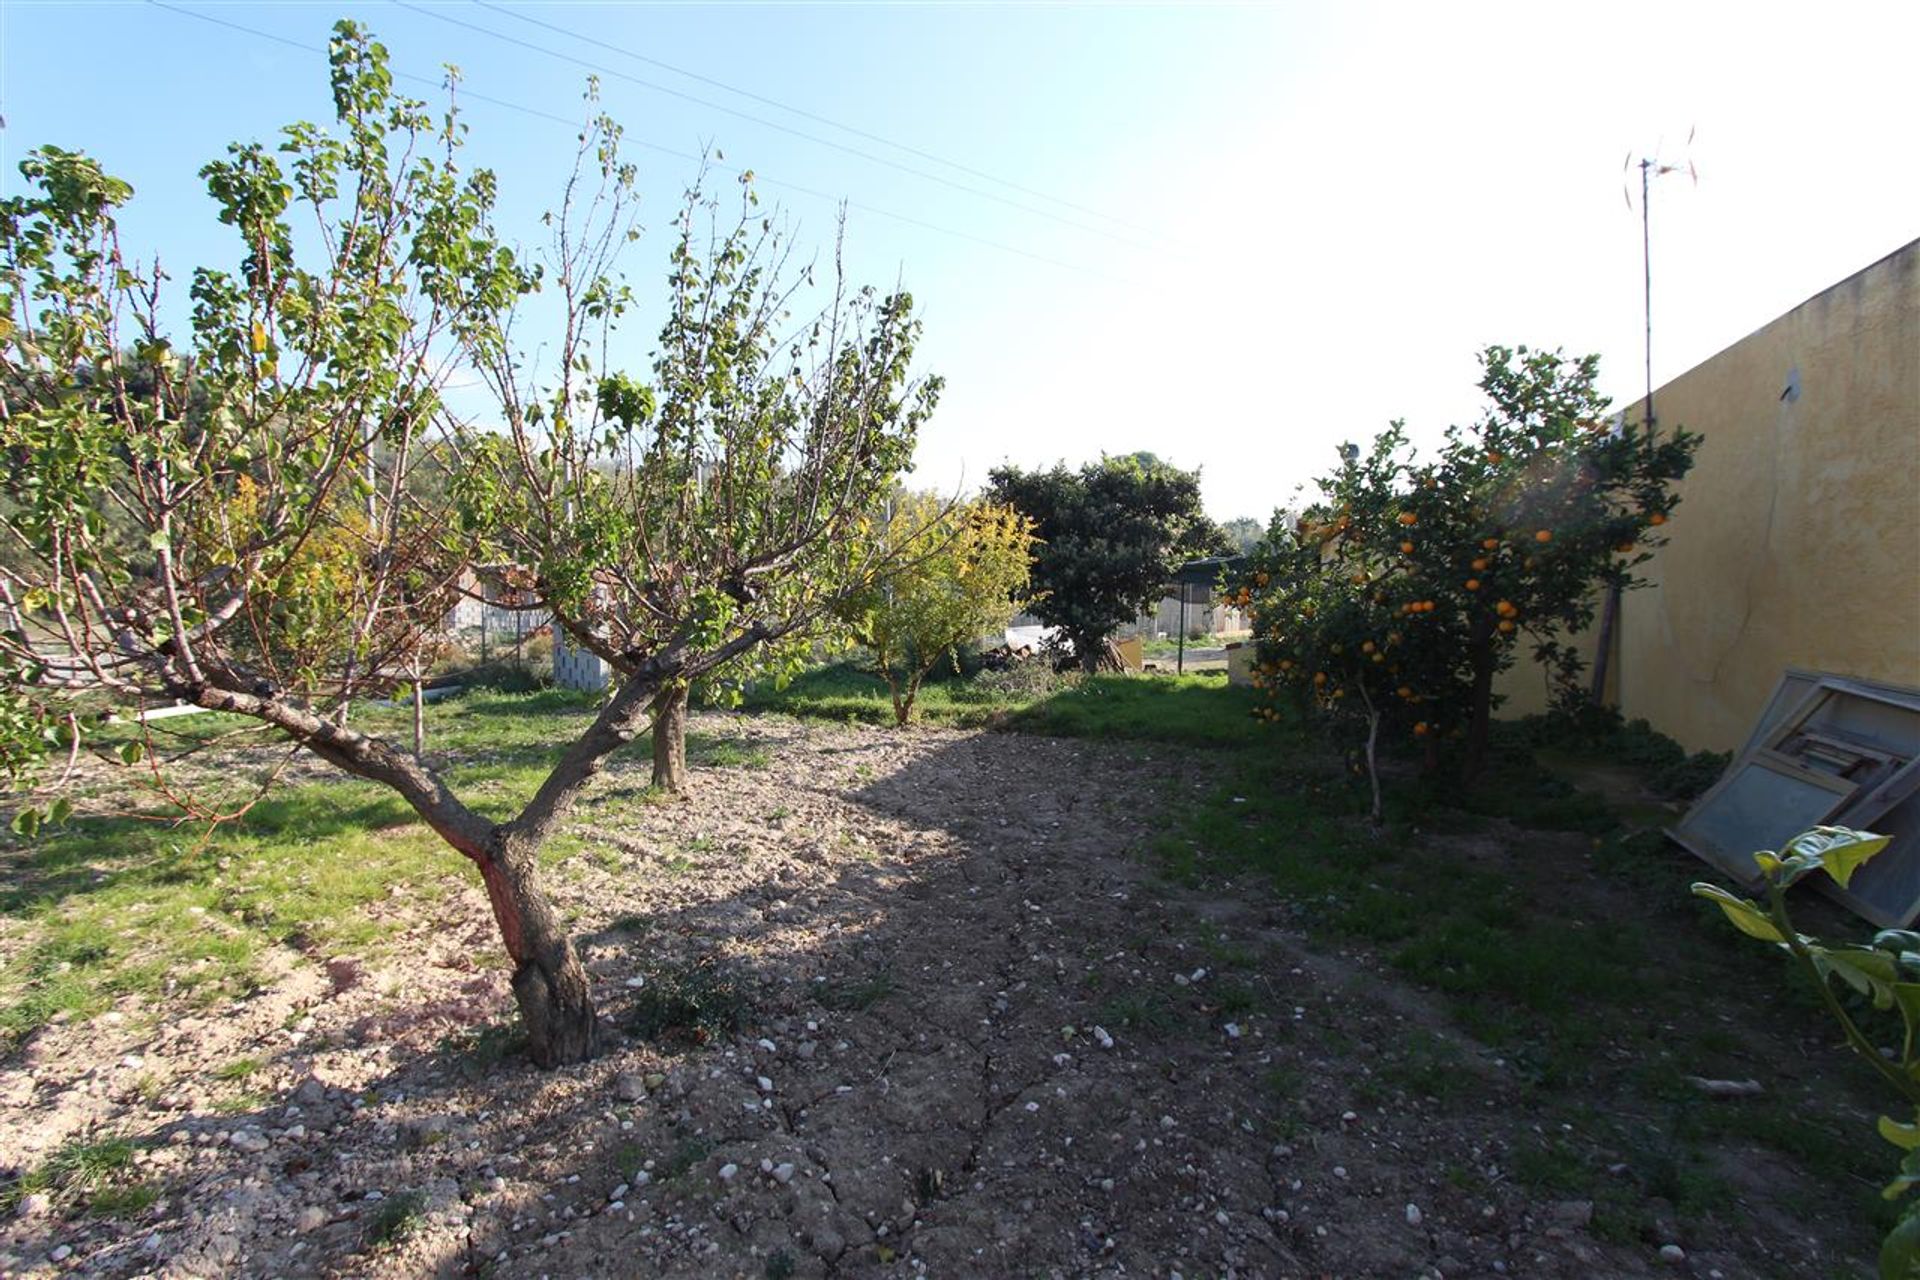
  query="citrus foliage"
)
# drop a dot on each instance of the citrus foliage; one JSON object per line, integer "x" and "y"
{"x": 1887, "y": 973}
{"x": 1397, "y": 599}
{"x": 960, "y": 572}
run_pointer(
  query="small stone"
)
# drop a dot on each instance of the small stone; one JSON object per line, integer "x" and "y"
{"x": 1349, "y": 1117}
{"x": 618, "y": 1193}
{"x": 1413, "y": 1215}
{"x": 783, "y": 1173}
{"x": 1233, "y": 1030}
{"x": 61, "y": 1252}
{"x": 766, "y": 1085}
{"x": 37, "y": 1205}
{"x": 1672, "y": 1253}
{"x": 653, "y": 1080}
{"x": 805, "y": 1049}
{"x": 311, "y": 1219}
{"x": 1101, "y": 1038}
{"x": 1221, "y": 1217}
{"x": 1339, "y": 1171}
{"x": 629, "y": 1087}
{"x": 636, "y": 982}
{"x": 1573, "y": 1213}
{"x": 251, "y": 1141}
{"x": 728, "y": 1170}
{"x": 295, "y": 1132}
{"x": 767, "y": 1045}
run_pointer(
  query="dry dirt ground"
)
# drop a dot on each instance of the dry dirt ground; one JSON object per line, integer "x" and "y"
{"x": 976, "y": 1037}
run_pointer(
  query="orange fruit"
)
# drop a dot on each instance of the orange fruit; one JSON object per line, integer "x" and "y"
{"x": 1505, "y": 609}
{"x": 1260, "y": 579}
{"x": 1473, "y": 584}
{"x": 1406, "y": 548}
{"x": 1657, "y": 518}
{"x": 1545, "y": 535}
{"x": 1494, "y": 458}
{"x": 1506, "y": 626}
{"x": 1405, "y": 691}
{"x": 1420, "y": 730}
{"x": 1481, "y": 564}
{"x": 1407, "y": 517}
{"x": 1366, "y": 647}
{"x": 1491, "y": 544}
{"x": 1379, "y": 657}
{"x": 1319, "y": 677}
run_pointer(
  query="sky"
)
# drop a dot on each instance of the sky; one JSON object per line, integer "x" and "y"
{"x": 1233, "y": 235}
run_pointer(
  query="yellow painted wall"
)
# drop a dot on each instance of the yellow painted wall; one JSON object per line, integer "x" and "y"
{"x": 1798, "y": 539}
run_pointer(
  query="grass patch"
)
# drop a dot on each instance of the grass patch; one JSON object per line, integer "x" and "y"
{"x": 90, "y": 1175}
{"x": 856, "y": 994}
{"x": 727, "y": 753}
{"x": 111, "y": 908}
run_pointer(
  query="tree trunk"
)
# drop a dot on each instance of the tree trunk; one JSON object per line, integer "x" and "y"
{"x": 1373, "y": 754}
{"x": 549, "y": 983}
{"x": 1097, "y": 653}
{"x": 670, "y": 739}
{"x": 1480, "y": 705}
{"x": 419, "y": 713}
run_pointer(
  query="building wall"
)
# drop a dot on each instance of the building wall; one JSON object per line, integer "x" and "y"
{"x": 1797, "y": 542}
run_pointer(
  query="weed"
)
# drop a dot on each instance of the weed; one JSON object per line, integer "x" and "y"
{"x": 238, "y": 1069}
{"x": 856, "y": 994}
{"x": 1146, "y": 1012}
{"x": 684, "y": 1156}
{"x": 398, "y": 1217}
{"x": 687, "y": 1005}
{"x": 487, "y": 1045}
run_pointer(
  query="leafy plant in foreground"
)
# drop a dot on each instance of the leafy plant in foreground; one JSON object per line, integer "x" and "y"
{"x": 1886, "y": 972}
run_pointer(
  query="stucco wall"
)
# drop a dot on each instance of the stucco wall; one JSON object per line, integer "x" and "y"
{"x": 1798, "y": 540}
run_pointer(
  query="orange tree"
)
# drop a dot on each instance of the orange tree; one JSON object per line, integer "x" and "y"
{"x": 1394, "y": 603}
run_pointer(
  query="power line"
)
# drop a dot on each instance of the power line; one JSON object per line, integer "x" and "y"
{"x": 762, "y": 121}
{"x": 805, "y": 114}
{"x": 467, "y": 93}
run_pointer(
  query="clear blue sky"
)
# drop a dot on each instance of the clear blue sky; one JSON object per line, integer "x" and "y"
{"x": 1294, "y": 222}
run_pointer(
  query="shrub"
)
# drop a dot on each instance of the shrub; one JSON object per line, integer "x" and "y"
{"x": 1393, "y": 603}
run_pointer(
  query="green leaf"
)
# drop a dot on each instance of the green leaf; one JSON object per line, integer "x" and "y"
{"x": 1840, "y": 850}
{"x": 1900, "y": 1251}
{"x": 132, "y": 753}
{"x": 1867, "y": 971}
{"x": 158, "y": 540}
{"x": 1746, "y": 917}
{"x": 1904, "y": 1136}
{"x": 26, "y": 823}
{"x": 62, "y": 810}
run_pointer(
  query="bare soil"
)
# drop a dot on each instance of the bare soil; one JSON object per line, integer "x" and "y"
{"x": 976, "y": 1036}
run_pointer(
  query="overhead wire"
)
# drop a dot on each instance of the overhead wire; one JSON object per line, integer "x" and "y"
{"x": 805, "y": 114}
{"x": 440, "y": 15}
{"x": 468, "y": 93}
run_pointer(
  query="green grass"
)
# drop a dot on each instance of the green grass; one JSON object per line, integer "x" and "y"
{"x": 397, "y": 1217}
{"x": 1187, "y": 710}
{"x": 89, "y": 1175}
{"x": 108, "y": 908}
{"x": 687, "y": 1005}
